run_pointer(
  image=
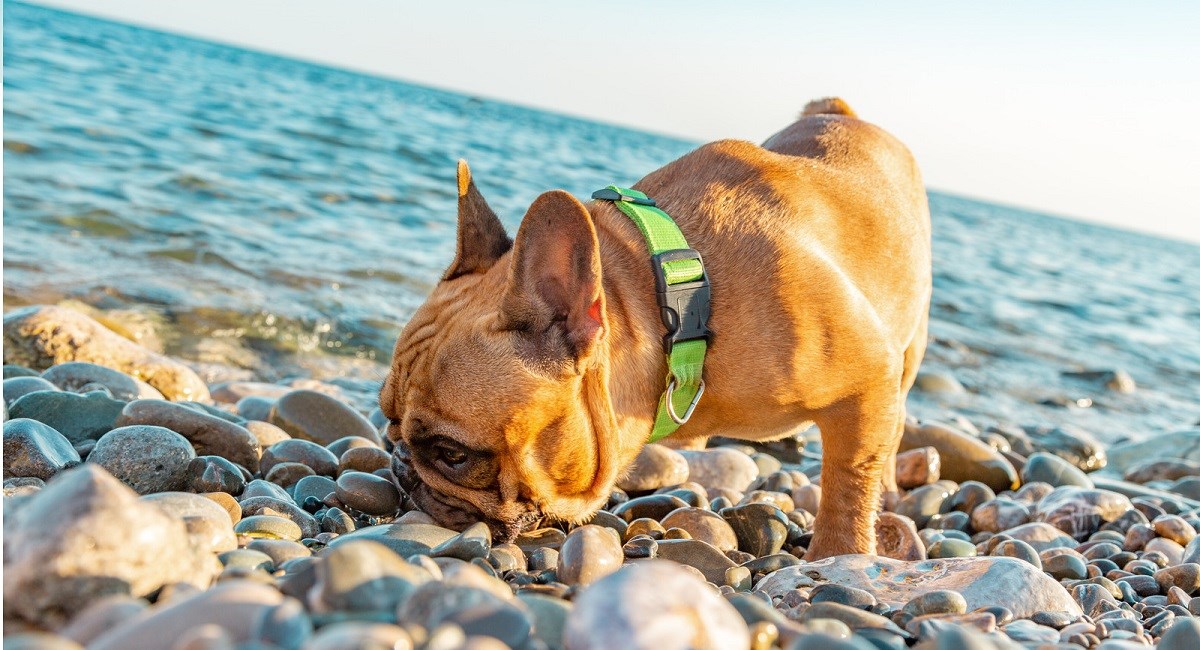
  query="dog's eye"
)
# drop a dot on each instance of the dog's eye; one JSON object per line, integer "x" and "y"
{"x": 451, "y": 456}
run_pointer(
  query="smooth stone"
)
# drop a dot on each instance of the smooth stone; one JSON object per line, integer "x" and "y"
{"x": 507, "y": 557}
{"x": 843, "y": 595}
{"x": 654, "y": 506}
{"x": 543, "y": 559}
{"x": 148, "y": 459}
{"x": 655, "y": 466}
{"x": 319, "y": 459}
{"x": 1169, "y": 469}
{"x": 12, "y": 370}
{"x": 101, "y": 616}
{"x": 917, "y": 467}
{"x": 807, "y": 497}
{"x": 314, "y": 416}
{"x": 1051, "y": 469}
{"x": 364, "y": 459}
{"x": 609, "y": 520}
{"x": 896, "y": 538}
{"x": 214, "y": 474}
{"x": 75, "y": 375}
{"x": 968, "y": 497}
{"x": 473, "y": 542}
{"x": 929, "y": 381}
{"x": 244, "y": 558}
{"x": 71, "y": 543}
{"x": 209, "y": 435}
{"x": 654, "y": 605}
{"x": 286, "y": 475}
{"x": 507, "y": 622}
{"x": 1169, "y": 548}
{"x": 209, "y": 525}
{"x": 43, "y": 335}
{"x": 760, "y": 529}
{"x": 76, "y": 417}
{"x": 403, "y": 539}
{"x": 317, "y": 487}
{"x": 1174, "y": 528}
{"x": 982, "y": 581}
{"x": 1018, "y": 549}
{"x": 1071, "y": 444}
{"x": 938, "y": 601}
{"x": 245, "y": 611}
{"x": 1133, "y": 490}
{"x": 963, "y": 457}
{"x": 999, "y": 515}
{"x": 364, "y": 576}
{"x": 260, "y": 488}
{"x": 549, "y": 617}
{"x": 361, "y": 635}
{"x": 39, "y": 641}
{"x": 947, "y": 548}
{"x": 589, "y": 553}
{"x": 368, "y": 493}
{"x": 35, "y": 449}
{"x": 530, "y": 541}
{"x": 268, "y": 527}
{"x": 852, "y": 618}
{"x": 254, "y": 407}
{"x": 1184, "y": 634}
{"x": 19, "y": 387}
{"x": 231, "y": 392}
{"x": 1079, "y": 512}
{"x": 229, "y": 504}
{"x": 1065, "y": 567}
{"x": 704, "y": 525}
{"x": 1041, "y": 536}
{"x": 1184, "y": 576}
{"x": 345, "y": 444}
{"x": 1178, "y": 445}
{"x": 281, "y": 508}
{"x": 337, "y": 521}
{"x": 922, "y": 503}
{"x": 711, "y": 562}
{"x": 720, "y": 468}
{"x": 265, "y": 433}
{"x": 463, "y": 586}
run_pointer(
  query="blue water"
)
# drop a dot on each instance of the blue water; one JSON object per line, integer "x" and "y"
{"x": 274, "y": 216}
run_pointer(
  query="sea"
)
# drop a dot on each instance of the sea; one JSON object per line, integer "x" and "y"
{"x": 264, "y": 217}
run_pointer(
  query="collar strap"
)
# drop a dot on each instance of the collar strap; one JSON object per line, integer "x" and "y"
{"x": 683, "y": 300}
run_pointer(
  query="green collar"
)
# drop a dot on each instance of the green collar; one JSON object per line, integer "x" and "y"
{"x": 683, "y": 300}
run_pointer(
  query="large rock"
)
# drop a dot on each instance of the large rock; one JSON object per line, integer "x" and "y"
{"x": 41, "y": 336}
{"x": 964, "y": 457}
{"x": 245, "y": 611}
{"x": 78, "y": 417}
{"x": 720, "y": 467}
{"x": 982, "y": 581}
{"x": 209, "y": 526}
{"x": 655, "y": 467}
{"x": 209, "y": 435}
{"x": 86, "y": 535}
{"x": 1079, "y": 512}
{"x": 35, "y": 449}
{"x": 654, "y": 605}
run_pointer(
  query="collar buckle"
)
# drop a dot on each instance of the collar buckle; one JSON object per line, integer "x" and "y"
{"x": 683, "y": 306}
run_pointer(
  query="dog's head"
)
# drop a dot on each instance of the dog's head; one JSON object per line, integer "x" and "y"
{"x": 497, "y": 402}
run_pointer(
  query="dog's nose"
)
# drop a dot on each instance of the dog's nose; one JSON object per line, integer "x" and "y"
{"x": 405, "y": 476}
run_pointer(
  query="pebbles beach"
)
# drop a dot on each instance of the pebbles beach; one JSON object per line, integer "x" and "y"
{"x": 144, "y": 508}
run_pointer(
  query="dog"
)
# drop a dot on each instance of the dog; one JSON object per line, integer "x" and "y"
{"x": 529, "y": 380}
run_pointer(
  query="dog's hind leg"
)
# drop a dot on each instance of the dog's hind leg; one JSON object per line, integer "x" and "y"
{"x": 912, "y": 361}
{"x": 856, "y": 435}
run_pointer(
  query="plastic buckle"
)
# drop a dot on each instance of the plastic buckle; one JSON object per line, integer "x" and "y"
{"x": 609, "y": 194}
{"x": 684, "y": 307}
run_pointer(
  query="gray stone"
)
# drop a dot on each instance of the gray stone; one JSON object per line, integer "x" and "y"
{"x": 1179, "y": 445}
{"x": 1041, "y": 536}
{"x": 654, "y": 605}
{"x": 356, "y": 635}
{"x": 929, "y": 381}
{"x": 364, "y": 576}
{"x": 404, "y": 539}
{"x": 549, "y": 617}
{"x": 101, "y": 616}
{"x": 1079, "y": 512}
{"x": 760, "y": 529}
{"x": 214, "y": 474}
{"x": 255, "y": 407}
{"x": 78, "y": 417}
{"x": 1051, "y": 469}
{"x": 71, "y": 543}
{"x": 318, "y": 417}
{"x": 75, "y": 375}
{"x": 42, "y": 336}
{"x": 710, "y": 562}
{"x": 19, "y": 387}
{"x": 368, "y": 493}
{"x": 473, "y": 542}
{"x": 589, "y": 553}
{"x": 148, "y": 459}
{"x": 319, "y": 459}
{"x": 281, "y": 508}
{"x": 982, "y": 581}
{"x": 209, "y": 435}
{"x": 34, "y": 449}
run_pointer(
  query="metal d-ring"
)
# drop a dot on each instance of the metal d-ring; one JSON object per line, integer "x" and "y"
{"x": 691, "y": 407}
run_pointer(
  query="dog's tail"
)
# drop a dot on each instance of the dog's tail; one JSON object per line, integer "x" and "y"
{"x": 828, "y": 106}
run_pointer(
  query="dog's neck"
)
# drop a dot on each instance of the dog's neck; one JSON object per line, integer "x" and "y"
{"x": 633, "y": 350}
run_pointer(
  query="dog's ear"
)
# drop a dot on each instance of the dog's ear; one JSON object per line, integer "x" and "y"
{"x": 481, "y": 236}
{"x": 554, "y": 301}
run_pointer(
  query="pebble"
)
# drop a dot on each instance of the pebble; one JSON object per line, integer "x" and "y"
{"x": 318, "y": 417}
{"x": 1079, "y": 512}
{"x": 655, "y": 466}
{"x": 720, "y": 467}
{"x": 214, "y": 474}
{"x": 268, "y": 527}
{"x": 18, "y": 387}
{"x": 1051, "y": 469}
{"x": 34, "y": 449}
{"x": 368, "y": 493}
{"x": 148, "y": 459}
{"x": 70, "y": 544}
{"x": 254, "y": 407}
{"x": 347, "y": 635}
{"x": 704, "y": 525}
{"x": 319, "y": 459}
{"x": 41, "y": 333}
{"x": 963, "y": 457}
{"x": 77, "y": 375}
{"x": 209, "y": 525}
{"x": 654, "y": 605}
{"x": 266, "y": 433}
{"x": 208, "y": 434}
{"x": 285, "y": 508}
{"x": 77, "y": 417}
{"x": 589, "y": 553}
{"x": 364, "y": 459}
{"x": 917, "y": 467}
{"x": 760, "y": 529}
{"x": 998, "y": 515}
{"x": 364, "y": 576}
{"x": 704, "y": 557}
{"x": 288, "y": 474}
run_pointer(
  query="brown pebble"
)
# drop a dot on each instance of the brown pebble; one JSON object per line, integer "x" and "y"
{"x": 896, "y": 537}
{"x": 917, "y": 467}
{"x": 364, "y": 459}
{"x": 227, "y": 502}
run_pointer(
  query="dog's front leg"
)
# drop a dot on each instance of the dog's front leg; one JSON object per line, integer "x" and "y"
{"x": 858, "y": 437}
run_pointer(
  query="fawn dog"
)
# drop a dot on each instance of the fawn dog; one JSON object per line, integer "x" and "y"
{"x": 530, "y": 378}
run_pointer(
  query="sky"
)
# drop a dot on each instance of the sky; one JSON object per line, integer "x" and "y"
{"x": 1087, "y": 109}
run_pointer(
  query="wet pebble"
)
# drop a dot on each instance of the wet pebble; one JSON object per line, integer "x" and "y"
{"x": 34, "y": 449}
{"x": 368, "y": 493}
{"x": 318, "y": 417}
{"x": 146, "y": 458}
